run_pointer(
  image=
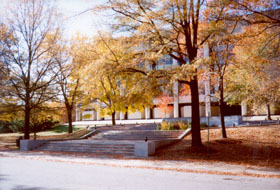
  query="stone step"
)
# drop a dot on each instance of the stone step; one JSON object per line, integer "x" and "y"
{"x": 140, "y": 135}
{"x": 88, "y": 146}
{"x": 91, "y": 145}
{"x": 88, "y": 151}
{"x": 144, "y": 131}
{"x": 137, "y": 135}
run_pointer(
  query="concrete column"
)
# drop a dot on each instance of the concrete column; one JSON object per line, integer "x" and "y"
{"x": 117, "y": 115}
{"x": 175, "y": 93}
{"x": 78, "y": 114}
{"x": 147, "y": 113}
{"x": 243, "y": 108}
{"x": 207, "y": 98}
{"x": 122, "y": 116}
{"x": 98, "y": 117}
{"x": 207, "y": 85}
{"x": 176, "y": 99}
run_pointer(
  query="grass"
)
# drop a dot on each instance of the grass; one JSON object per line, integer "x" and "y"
{"x": 8, "y": 140}
{"x": 252, "y": 146}
{"x": 64, "y": 129}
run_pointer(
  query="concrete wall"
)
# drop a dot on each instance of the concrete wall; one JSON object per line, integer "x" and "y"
{"x": 137, "y": 115}
{"x": 86, "y": 113}
{"x": 31, "y": 144}
{"x": 146, "y": 149}
{"x": 202, "y": 111}
{"x": 213, "y": 121}
{"x": 117, "y": 117}
{"x": 157, "y": 113}
{"x": 186, "y": 111}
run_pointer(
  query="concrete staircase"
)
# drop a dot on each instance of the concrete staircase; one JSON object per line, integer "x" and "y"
{"x": 89, "y": 146}
{"x": 137, "y": 135}
{"x": 113, "y": 140}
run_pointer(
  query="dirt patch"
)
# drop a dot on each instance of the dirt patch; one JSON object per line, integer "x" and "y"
{"x": 250, "y": 146}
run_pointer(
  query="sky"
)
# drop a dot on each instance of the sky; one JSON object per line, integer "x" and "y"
{"x": 87, "y": 23}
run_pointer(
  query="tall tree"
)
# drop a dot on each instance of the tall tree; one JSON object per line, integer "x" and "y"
{"x": 34, "y": 24}
{"x": 105, "y": 81}
{"x": 255, "y": 79}
{"x": 220, "y": 47}
{"x": 68, "y": 78}
{"x": 170, "y": 27}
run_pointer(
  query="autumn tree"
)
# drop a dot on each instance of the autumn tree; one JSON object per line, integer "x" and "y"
{"x": 257, "y": 53}
{"x": 105, "y": 81}
{"x": 68, "y": 79}
{"x": 255, "y": 79}
{"x": 169, "y": 27}
{"x": 219, "y": 50}
{"x": 256, "y": 12}
{"x": 34, "y": 26}
{"x": 164, "y": 102}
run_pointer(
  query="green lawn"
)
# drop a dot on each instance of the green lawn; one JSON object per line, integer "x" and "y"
{"x": 58, "y": 130}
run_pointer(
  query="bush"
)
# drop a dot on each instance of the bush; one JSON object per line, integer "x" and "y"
{"x": 164, "y": 126}
{"x": 203, "y": 125}
{"x": 176, "y": 126}
{"x": 179, "y": 125}
{"x": 12, "y": 126}
{"x": 15, "y": 126}
{"x": 182, "y": 125}
{"x": 158, "y": 127}
{"x": 171, "y": 126}
{"x": 167, "y": 126}
{"x": 42, "y": 125}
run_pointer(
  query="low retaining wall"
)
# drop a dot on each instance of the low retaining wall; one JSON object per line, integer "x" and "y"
{"x": 146, "y": 149}
{"x": 213, "y": 121}
{"x": 31, "y": 144}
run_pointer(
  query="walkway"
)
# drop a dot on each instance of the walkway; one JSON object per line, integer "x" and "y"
{"x": 219, "y": 168}
{"x": 118, "y": 122}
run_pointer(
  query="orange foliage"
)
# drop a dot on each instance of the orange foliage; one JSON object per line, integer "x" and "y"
{"x": 163, "y": 104}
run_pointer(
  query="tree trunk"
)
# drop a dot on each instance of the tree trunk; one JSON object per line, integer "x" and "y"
{"x": 196, "y": 138}
{"x": 126, "y": 113}
{"x": 35, "y": 135}
{"x": 113, "y": 118}
{"x": 222, "y": 115}
{"x": 26, "y": 120}
{"x": 69, "y": 116}
{"x": 268, "y": 114}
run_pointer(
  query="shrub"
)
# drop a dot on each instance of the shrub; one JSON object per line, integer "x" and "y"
{"x": 182, "y": 125}
{"x": 203, "y": 125}
{"x": 158, "y": 127}
{"x": 44, "y": 124}
{"x": 164, "y": 126}
{"x": 176, "y": 126}
{"x": 13, "y": 126}
{"x": 171, "y": 126}
{"x": 16, "y": 125}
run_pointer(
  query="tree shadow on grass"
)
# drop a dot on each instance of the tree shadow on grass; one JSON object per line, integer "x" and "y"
{"x": 63, "y": 129}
